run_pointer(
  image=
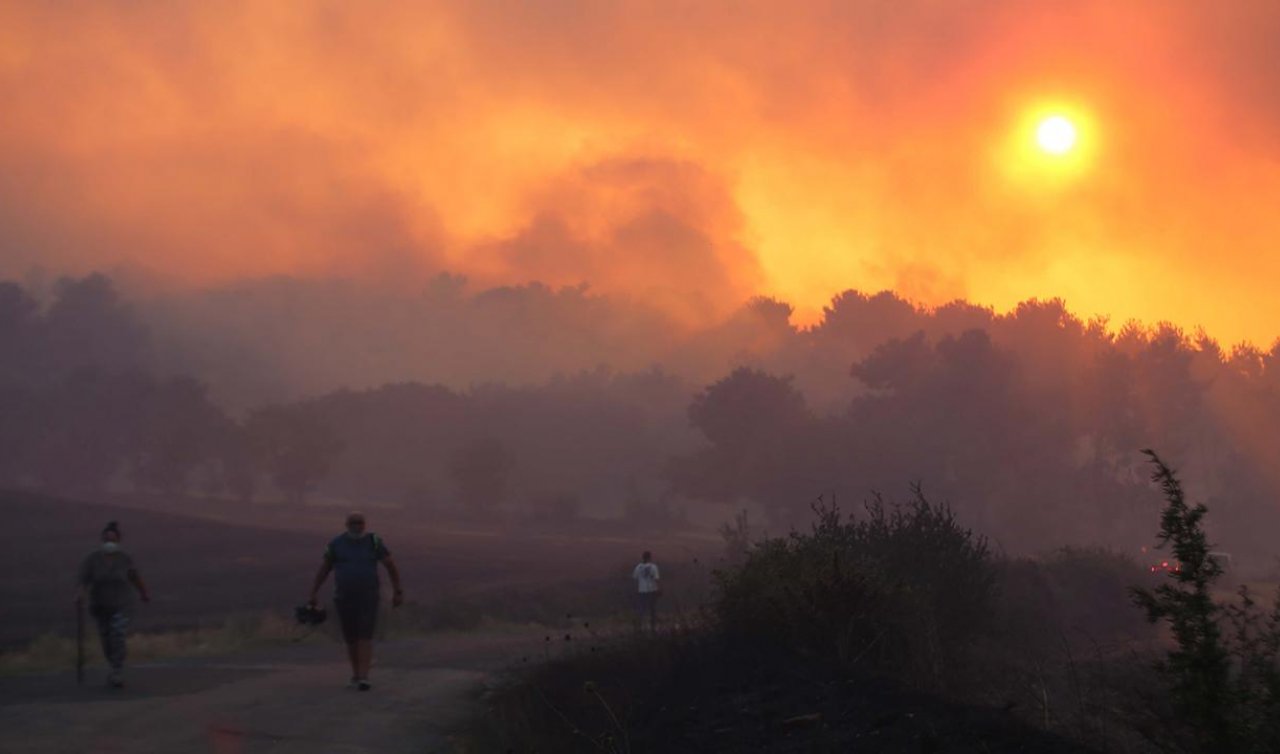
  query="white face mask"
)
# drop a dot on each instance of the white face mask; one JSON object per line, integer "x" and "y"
{"x": 110, "y": 547}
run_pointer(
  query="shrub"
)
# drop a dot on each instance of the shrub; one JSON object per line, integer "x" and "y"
{"x": 906, "y": 587}
{"x": 1089, "y": 589}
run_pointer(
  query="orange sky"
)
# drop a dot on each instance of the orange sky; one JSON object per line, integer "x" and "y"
{"x": 694, "y": 152}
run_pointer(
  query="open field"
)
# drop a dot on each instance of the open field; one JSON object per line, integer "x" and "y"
{"x": 213, "y": 658}
{"x": 215, "y": 560}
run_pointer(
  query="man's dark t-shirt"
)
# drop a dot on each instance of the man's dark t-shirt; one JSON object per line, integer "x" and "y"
{"x": 107, "y": 578}
{"x": 355, "y": 564}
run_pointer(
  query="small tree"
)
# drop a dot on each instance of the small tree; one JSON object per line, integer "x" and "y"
{"x": 1198, "y": 667}
{"x": 1225, "y": 685}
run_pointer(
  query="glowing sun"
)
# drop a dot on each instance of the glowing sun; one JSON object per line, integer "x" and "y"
{"x": 1056, "y": 135}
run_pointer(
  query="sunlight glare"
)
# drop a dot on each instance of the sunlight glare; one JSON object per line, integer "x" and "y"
{"x": 1056, "y": 135}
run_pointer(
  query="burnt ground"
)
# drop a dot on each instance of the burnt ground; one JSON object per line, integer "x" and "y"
{"x": 776, "y": 708}
{"x": 696, "y": 695}
{"x": 207, "y": 559}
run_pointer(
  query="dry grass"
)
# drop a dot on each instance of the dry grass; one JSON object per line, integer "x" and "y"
{"x": 237, "y": 633}
{"x": 492, "y": 614}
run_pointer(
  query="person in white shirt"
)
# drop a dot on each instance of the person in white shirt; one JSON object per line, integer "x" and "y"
{"x": 647, "y": 580}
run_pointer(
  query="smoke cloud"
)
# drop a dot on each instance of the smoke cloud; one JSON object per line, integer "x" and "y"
{"x": 689, "y": 154}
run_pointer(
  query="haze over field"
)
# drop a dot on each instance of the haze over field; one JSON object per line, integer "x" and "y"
{"x": 567, "y": 259}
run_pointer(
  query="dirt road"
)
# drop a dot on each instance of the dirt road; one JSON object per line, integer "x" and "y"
{"x": 289, "y": 699}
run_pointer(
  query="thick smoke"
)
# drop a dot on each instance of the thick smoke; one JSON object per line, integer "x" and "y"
{"x": 690, "y": 155}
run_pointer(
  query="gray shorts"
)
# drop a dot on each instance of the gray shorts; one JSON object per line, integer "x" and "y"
{"x": 358, "y": 614}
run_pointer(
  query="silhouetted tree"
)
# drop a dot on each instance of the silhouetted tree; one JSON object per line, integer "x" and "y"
{"x": 398, "y": 438}
{"x": 762, "y": 443}
{"x": 88, "y": 325}
{"x": 87, "y": 424}
{"x": 479, "y": 471}
{"x": 18, "y": 321}
{"x": 748, "y": 409}
{"x": 296, "y": 446}
{"x": 178, "y": 428}
{"x": 856, "y": 318}
{"x": 1199, "y": 667}
{"x": 18, "y": 432}
{"x": 240, "y": 460}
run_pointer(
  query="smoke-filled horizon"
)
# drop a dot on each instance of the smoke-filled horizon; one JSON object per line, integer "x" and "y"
{"x": 686, "y": 155}
{"x": 558, "y": 406}
{"x": 286, "y": 338}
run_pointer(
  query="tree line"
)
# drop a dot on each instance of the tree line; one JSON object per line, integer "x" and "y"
{"x": 1028, "y": 422}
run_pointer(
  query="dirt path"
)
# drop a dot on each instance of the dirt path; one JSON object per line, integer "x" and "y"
{"x": 289, "y": 699}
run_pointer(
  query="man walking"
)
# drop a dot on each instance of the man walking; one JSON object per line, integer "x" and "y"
{"x": 353, "y": 557}
{"x": 108, "y": 578}
{"x": 646, "y": 577}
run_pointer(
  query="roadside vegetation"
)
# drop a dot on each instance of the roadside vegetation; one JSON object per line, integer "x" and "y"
{"x": 554, "y": 611}
{"x": 899, "y": 629}
{"x": 56, "y": 651}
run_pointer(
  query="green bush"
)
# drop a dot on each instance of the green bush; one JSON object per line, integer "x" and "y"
{"x": 906, "y": 587}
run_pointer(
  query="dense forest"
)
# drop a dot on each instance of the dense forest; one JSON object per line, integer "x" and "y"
{"x": 560, "y": 407}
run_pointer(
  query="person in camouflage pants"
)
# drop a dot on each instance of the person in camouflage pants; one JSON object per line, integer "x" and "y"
{"x": 108, "y": 578}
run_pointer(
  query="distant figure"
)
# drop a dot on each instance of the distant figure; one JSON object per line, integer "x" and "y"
{"x": 647, "y": 577}
{"x": 354, "y": 557}
{"x": 108, "y": 578}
